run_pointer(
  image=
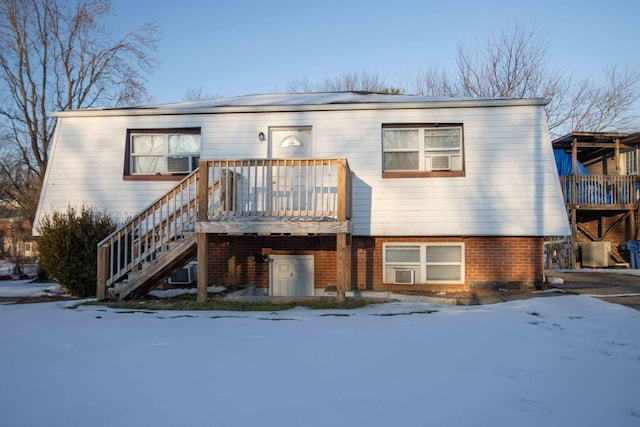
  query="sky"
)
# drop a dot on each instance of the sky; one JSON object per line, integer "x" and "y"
{"x": 240, "y": 47}
{"x": 552, "y": 361}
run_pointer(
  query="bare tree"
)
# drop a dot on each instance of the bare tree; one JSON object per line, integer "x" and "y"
{"x": 19, "y": 187}
{"x": 349, "y": 81}
{"x": 511, "y": 65}
{"x": 516, "y": 64}
{"x": 433, "y": 81}
{"x": 197, "y": 94}
{"x": 609, "y": 106}
{"x": 58, "y": 55}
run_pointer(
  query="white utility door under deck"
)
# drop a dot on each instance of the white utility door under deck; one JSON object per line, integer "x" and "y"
{"x": 291, "y": 275}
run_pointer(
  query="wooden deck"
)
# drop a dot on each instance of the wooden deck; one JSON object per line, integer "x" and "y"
{"x": 610, "y": 200}
{"x": 229, "y": 197}
{"x": 601, "y": 192}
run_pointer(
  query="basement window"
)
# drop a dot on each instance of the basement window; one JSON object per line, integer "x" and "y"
{"x": 166, "y": 154}
{"x": 428, "y": 263}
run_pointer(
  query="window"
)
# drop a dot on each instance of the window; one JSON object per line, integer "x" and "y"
{"x": 422, "y": 151}
{"x": 430, "y": 263}
{"x": 630, "y": 162}
{"x": 162, "y": 152}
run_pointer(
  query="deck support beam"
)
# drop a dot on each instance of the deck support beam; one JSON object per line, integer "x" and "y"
{"x": 203, "y": 266}
{"x": 231, "y": 263}
{"x": 573, "y": 222}
{"x": 343, "y": 264}
{"x": 102, "y": 273}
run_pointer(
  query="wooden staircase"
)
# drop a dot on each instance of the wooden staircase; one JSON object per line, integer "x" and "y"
{"x": 225, "y": 197}
{"x": 149, "y": 247}
{"x": 173, "y": 256}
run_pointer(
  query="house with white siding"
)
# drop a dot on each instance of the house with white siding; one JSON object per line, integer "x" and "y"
{"x": 300, "y": 194}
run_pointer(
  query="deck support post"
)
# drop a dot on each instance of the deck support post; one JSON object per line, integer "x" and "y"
{"x": 616, "y": 151}
{"x": 343, "y": 240}
{"x": 202, "y": 239}
{"x": 231, "y": 263}
{"x": 574, "y": 237}
{"x": 343, "y": 264}
{"x": 203, "y": 266}
{"x": 103, "y": 270}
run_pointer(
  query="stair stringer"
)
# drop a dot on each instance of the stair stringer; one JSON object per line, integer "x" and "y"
{"x": 153, "y": 272}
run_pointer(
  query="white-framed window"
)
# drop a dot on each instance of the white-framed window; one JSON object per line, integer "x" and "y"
{"x": 429, "y": 263}
{"x": 422, "y": 148}
{"x": 630, "y": 162}
{"x": 163, "y": 152}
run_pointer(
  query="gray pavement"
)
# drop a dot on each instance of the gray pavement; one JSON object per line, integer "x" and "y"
{"x": 612, "y": 287}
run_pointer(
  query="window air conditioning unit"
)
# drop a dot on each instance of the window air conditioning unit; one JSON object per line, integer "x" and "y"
{"x": 186, "y": 275}
{"x": 180, "y": 164}
{"x": 403, "y": 276}
{"x": 441, "y": 162}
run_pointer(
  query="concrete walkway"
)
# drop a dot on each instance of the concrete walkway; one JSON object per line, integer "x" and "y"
{"x": 612, "y": 287}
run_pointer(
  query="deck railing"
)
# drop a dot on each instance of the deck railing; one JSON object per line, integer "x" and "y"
{"x": 603, "y": 190}
{"x": 313, "y": 188}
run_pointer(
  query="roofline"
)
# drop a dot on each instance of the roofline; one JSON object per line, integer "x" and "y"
{"x": 157, "y": 111}
{"x": 604, "y": 135}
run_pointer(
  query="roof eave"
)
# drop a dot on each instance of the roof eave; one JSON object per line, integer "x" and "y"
{"x": 454, "y": 103}
{"x": 568, "y": 138}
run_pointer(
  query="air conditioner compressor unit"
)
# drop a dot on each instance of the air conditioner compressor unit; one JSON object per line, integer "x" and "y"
{"x": 596, "y": 254}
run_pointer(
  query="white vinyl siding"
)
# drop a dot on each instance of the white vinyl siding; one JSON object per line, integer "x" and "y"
{"x": 429, "y": 263}
{"x": 510, "y": 187}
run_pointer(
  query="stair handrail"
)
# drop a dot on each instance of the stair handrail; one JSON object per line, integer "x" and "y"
{"x": 146, "y": 241}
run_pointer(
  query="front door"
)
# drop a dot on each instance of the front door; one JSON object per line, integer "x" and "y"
{"x": 290, "y": 142}
{"x": 289, "y": 181}
{"x": 291, "y": 275}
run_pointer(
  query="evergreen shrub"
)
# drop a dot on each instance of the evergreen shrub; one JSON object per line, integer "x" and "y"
{"x": 68, "y": 247}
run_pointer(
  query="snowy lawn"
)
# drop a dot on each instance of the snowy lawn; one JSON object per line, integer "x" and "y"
{"x": 553, "y": 361}
{"x": 26, "y": 288}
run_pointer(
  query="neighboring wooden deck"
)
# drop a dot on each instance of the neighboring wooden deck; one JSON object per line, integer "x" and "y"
{"x": 601, "y": 192}
{"x": 611, "y": 200}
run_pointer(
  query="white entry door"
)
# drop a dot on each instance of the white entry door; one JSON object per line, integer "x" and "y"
{"x": 289, "y": 181}
{"x": 290, "y": 142}
{"x": 291, "y": 275}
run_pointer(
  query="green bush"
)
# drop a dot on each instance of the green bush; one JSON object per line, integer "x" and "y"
{"x": 68, "y": 247}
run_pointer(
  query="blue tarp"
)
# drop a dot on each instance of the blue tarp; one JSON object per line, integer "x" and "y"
{"x": 563, "y": 163}
{"x": 587, "y": 192}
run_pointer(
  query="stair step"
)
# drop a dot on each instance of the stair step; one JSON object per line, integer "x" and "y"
{"x": 151, "y": 272}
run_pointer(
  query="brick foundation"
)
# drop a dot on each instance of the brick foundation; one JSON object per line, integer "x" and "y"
{"x": 490, "y": 262}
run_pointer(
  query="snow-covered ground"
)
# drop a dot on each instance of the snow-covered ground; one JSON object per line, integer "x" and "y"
{"x": 553, "y": 361}
{"x": 27, "y": 288}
